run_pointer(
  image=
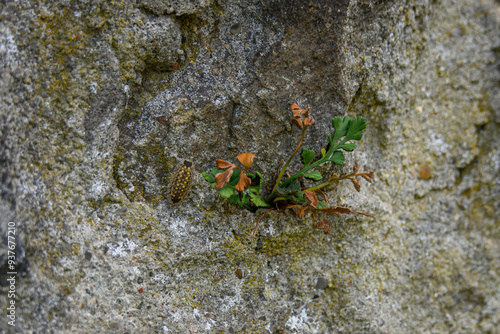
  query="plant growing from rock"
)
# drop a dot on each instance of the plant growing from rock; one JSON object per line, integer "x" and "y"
{"x": 288, "y": 192}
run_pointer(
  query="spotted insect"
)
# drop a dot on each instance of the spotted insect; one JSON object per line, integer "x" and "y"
{"x": 181, "y": 182}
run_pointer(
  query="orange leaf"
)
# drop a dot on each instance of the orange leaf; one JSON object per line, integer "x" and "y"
{"x": 221, "y": 164}
{"x": 308, "y": 121}
{"x": 300, "y": 212}
{"x": 222, "y": 178}
{"x": 243, "y": 183}
{"x": 306, "y": 112}
{"x": 296, "y": 110}
{"x": 246, "y": 159}
{"x": 298, "y": 122}
{"x": 311, "y": 196}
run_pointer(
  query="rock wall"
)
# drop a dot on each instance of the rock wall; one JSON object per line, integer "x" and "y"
{"x": 102, "y": 100}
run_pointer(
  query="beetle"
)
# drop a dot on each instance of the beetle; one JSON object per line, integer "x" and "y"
{"x": 181, "y": 182}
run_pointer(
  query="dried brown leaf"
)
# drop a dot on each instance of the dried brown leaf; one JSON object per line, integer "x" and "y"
{"x": 327, "y": 228}
{"x": 300, "y": 212}
{"x": 244, "y": 182}
{"x": 320, "y": 224}
{"x": 306, "y": 112}
{"x": 371, "y": 173}
{"x": 246, "y": 159}
{"x": 297, "y": 122}
{"x": 222, "y": 178}
{"x": 367, "y": 178}
{"x": 296, "y": 110}
{"x": 337, "y": 210}
{"x": 222, "y": 164}
{"x": 239, "y": 273}
{"x": 363, "y": 213}
{"x": 324, "y": 195}
{"x": 162, "y": 120}
{"x": 356, "y": 184}
{"x": 308, "y": 121}
{"x": 311, "y": 196}
{"x": 355, "y": 168}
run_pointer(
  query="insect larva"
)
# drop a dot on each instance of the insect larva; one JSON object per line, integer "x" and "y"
{"x": 181, "y": 182}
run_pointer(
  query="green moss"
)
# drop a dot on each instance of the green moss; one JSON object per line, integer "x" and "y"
{"x": 153, "y": 156}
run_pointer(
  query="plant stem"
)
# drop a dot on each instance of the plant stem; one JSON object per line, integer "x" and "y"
{"x": 289, "y": 160}
{"x": 311, "y": 166}
{"x": 334, "y": 179}
{"x": 318, "y": 186}
{"x": 330, "y": 181}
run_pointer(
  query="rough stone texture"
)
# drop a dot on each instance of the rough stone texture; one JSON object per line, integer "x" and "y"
{"x": 177, "y": 7}
{"x": 85, "y": 165}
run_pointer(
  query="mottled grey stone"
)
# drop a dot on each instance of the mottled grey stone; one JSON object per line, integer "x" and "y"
{"x": 321, "y": 283}
{"x": 177, "y": 7}
{"x": 101, "y": 101}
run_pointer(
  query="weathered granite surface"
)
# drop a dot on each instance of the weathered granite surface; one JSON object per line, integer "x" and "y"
{"x": 85, "y": 165}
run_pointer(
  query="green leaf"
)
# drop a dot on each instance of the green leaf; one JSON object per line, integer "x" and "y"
{"x": 299, "y": 197}
{"x": 233, "y": 181}
{"x": 283, "y": 198}
{"x": 307, "y": 156}
{"x": 321, "y": 205}
{"x": 341, "y": 125}
{"x": 235, "y": 199}
{"x": 338, "y": 158}
{"x": 226, "y": 191}
{"x": 348, "y": 147}
{"x": 291, "y": 188}
{"x": 239, "y": 199}
{"x": 215, "y": 171}
{"x": 351, "y": 128}
{"x": 356, "y": 127}
{"x": 208, "y": 177}
{"x": 244, "y": 199}
{"x": 315, "y": 175}
{"x": 256, "y": 183}
{"x": 323, "y": 152}
{"x": 257, "y": 199}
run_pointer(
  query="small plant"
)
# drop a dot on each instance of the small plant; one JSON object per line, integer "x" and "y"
{"x": 244, "y": 189}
